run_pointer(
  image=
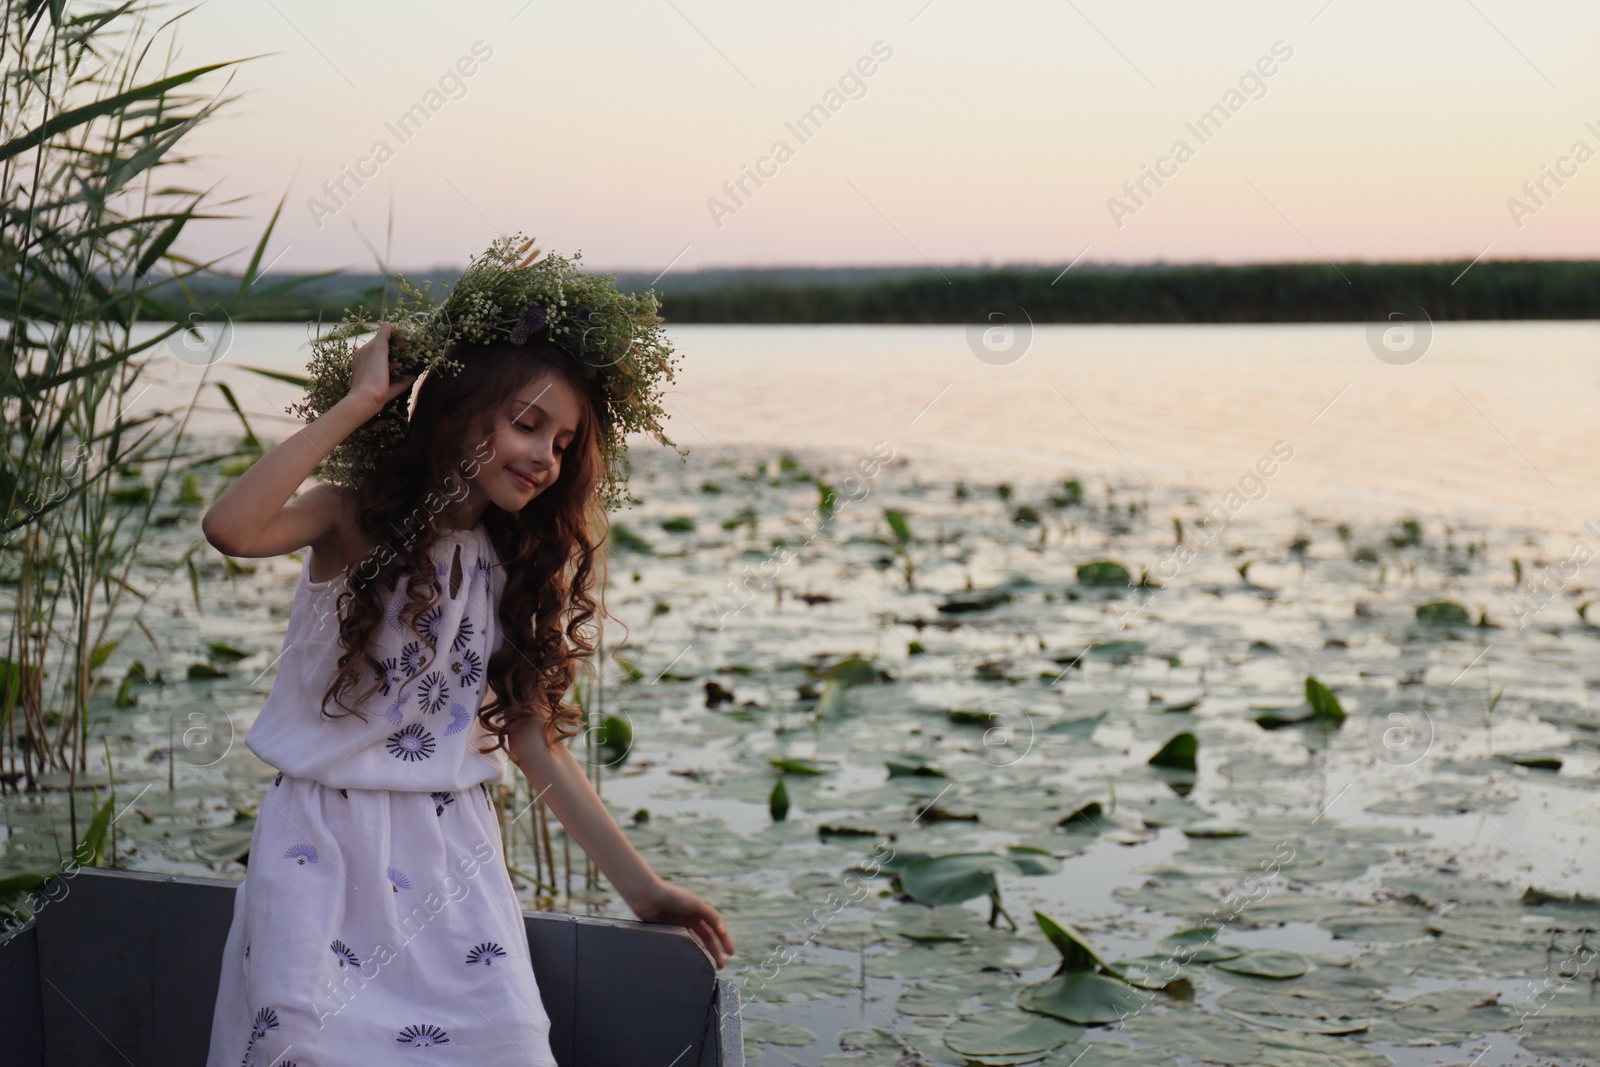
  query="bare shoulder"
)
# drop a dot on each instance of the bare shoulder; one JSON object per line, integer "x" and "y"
{"x": 342, "y": 544}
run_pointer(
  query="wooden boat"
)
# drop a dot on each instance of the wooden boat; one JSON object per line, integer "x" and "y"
{"x": 121, "y": 967}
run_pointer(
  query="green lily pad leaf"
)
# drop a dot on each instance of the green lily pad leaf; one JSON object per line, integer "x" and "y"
{"x": 1161, "y": 973}
{"x": 230, "y": 842}
{"x": 1118, "y": 652}
{"x": 1266, "y": 963}
{"x": 895, "y": 863}
{"x": 971, "y": 717}
{"x": 853, "y": 670}
{"x": 1215, "y": 830}
{"x": 1104, "y": 572}
{"x": 770, "y": 1032}
{"x": 1373, "y": 924}
{"x": 1536, "y": 763}
{"x": 965, "y": 603}
{"x": 955, "y": 878}
{"x": 1033, "y": 860}
{"x": 912, "y": 763}
{"x": 797, "y": 766}
{"x": 1084, "y": 998}
{"x": 1571, "y": 1041}
{"x": 1305, "y": 1014}
{"x": 1457, "y": 1011}
{"x": 933, "y": 998}
{"x": 778, "y": 802}
{"x": 1077, "y": 728}
{"x": 1274, "y": 721}
{"x": 1193, "y": 1036}
{"x": 1443, "y": 613}
{"x": 1008, "y": 1032}
{"x": 1083, "y": 816}
{"x": 1198, "y": 944}
{"x": 1325, "y": 707}
{"x": 919, "y": 922}
{"x": 204, "y": 671}
{"x": 1076, "y": 952}
{"x": 1178, "y": 753}
{"x": 223, "y": 652}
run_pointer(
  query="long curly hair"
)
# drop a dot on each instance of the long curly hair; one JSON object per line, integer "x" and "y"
{"x": 551, "y": 550}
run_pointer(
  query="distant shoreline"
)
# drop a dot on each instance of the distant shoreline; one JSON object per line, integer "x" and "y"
{"x": 1498, "y": 290}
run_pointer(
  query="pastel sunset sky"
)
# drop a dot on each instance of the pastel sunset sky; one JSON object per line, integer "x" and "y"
{"x": 949, "y": 131}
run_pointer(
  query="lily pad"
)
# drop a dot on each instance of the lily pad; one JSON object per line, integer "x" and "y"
{"x": 909, "y": 764}
{"x": 1085, "y": 998}
{"x": 1266, "y": 963}
{"x": 1199, "y": 944}
{"x": 230, "y": 842}
{"x": 1008, "y": 1032}
{"x": 1033, "y": 860}
{"x": 1178, "y": 753}
{"x": 1104, "y": 572}
{"x": 955, "y": 878}
{"x": 1443, "y": 613}
{"x": 1457, "y": 1011}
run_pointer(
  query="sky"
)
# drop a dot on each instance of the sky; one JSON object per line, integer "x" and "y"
{"x": 944, "y": 132}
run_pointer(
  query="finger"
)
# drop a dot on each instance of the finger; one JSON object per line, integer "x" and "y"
{"x": 718, "y": 928}
{"x": 703, "y": 928}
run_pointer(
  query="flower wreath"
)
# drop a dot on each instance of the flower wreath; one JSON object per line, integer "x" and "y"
{"x": 507, "y": 293}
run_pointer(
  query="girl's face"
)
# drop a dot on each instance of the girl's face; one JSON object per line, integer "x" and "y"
{"x": 533, "y": 428}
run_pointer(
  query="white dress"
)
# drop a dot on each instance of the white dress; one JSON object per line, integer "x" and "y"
{"x": 377, "y": 923}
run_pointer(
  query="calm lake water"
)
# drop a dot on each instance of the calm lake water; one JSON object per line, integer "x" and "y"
{"x": 1009, "y": 706}
{"x": 1494, "y": 421}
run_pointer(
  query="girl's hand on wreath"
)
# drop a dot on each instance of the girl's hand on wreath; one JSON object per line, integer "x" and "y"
{"x": 373, "y": 377}
{"x": 673, "y": 904}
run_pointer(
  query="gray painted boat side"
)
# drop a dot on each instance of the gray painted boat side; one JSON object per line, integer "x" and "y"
{"x": 122, "y": 967}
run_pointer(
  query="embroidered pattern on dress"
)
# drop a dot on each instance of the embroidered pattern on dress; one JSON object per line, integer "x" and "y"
{"x": 301, "y": 854}
{"x": 422, "y": 1036}
{"x": 399, "y": 880}
{"x": 429, "y": 624}
{"x": 464, "y": 634}
{"x": 343, "y": 954}
{"x": 440, "y": 800}
{"x": 393, "y": 712}
{"x": 460, "y": 717}
{"x": 468, "y": 668}
{"x": 485, "y": 953}
{"x": 411, "y": 658}
{"x": 391, "y": 676}
{"x": 434, "y": 692}
{"x": 279, "y": 779}
{"x": 411, "y": 744}
{"x": 266, "y": 1019}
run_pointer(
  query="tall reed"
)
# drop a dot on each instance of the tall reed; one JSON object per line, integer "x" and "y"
{"x": 89, "y": 140}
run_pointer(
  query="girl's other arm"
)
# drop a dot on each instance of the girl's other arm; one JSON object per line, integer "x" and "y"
{"x": 559, "y": 779}
{"x": 255, "y": 516}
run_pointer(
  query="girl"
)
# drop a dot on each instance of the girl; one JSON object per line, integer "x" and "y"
{"x": 377, "y": 915}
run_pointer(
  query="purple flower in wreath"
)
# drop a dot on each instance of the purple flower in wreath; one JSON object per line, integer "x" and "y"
{"x": 533, "y": 319}
{"x": 584, "y": 315}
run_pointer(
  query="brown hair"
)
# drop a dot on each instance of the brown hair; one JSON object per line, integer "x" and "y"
{"x": 550, "y": 550}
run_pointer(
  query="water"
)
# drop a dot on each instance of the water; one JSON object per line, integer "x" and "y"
{"x": 1493, "y": 423}
{"x": 1410, "y": 813}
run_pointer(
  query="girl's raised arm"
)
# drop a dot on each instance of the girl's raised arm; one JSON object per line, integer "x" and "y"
{"x": 255, "y": 516}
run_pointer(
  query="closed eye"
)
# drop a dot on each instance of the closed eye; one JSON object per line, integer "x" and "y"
{"x": 525, "y": 428}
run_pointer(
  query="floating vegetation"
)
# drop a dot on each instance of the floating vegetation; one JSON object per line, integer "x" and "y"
{"x": 869, "y": 787}
{"x": 1443, "y": 613}
{"x": 1105, "y": 573}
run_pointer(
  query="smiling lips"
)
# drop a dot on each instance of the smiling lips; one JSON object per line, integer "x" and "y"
{"x": 521, "y": 479}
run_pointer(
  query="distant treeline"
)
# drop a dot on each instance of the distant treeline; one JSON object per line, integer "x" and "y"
{"x": 1289, "y": 292}
{"x": 1300, "y": 292}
